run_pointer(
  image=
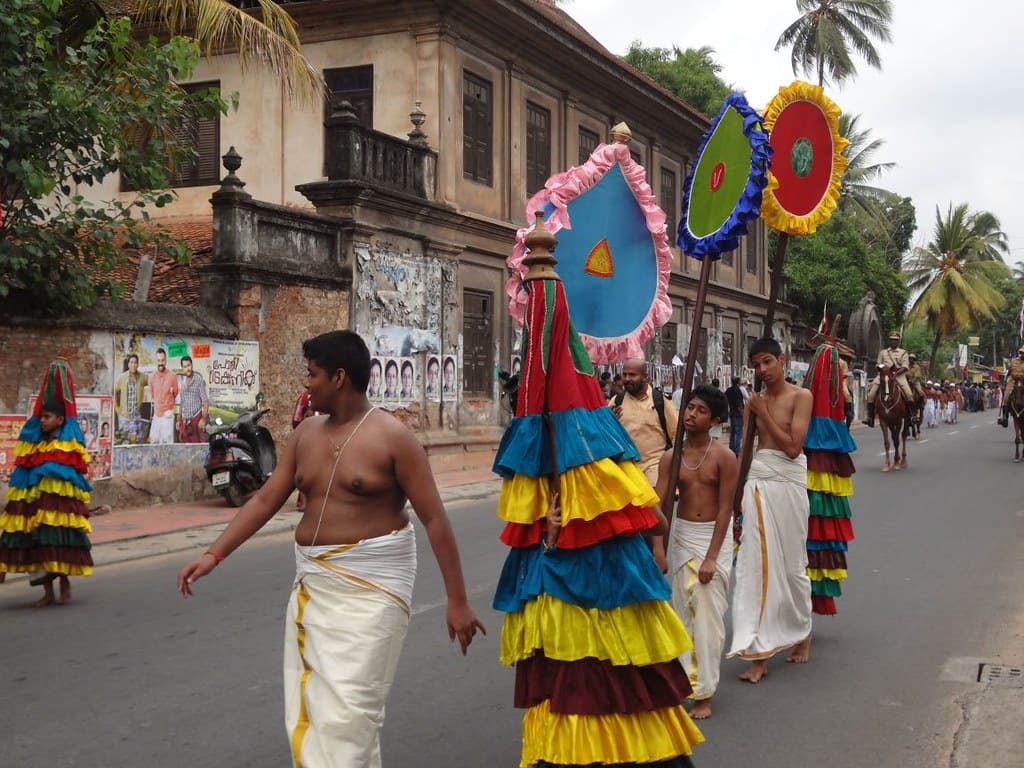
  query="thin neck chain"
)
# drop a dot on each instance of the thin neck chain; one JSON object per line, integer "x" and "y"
{"x": 334, "y": 469}
{"x": 701, "y": 462}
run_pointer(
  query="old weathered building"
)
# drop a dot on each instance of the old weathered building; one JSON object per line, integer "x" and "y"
{"x": 443, "y": 118}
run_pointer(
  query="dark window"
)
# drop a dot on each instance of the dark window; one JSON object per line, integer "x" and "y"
{"x": 201, "y": 133}
{"x": 636, "y": 156}
{"x": 668, "y": 203}
{"x": 477, "y": 128}
{"x": 727, "y": 352}
{"x": 478, "y": 341}
{"x": 538, "y": 147}
{"x": 588, "y": 143}
{"x": 727, "y": 259}
{"x": 669, "y": 342}
{"x": 354, "y": 85}
{"x": 751, "y": 246}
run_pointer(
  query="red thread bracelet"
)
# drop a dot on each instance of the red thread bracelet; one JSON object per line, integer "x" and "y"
{"x": 215, "y": 556}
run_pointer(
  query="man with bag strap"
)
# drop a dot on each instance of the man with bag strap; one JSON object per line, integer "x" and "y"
{"x": 649, "y": 418}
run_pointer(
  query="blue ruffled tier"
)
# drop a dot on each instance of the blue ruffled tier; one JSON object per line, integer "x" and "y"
{"x": 29, "y": 477}
{"x": 835, "y": 546}
{"x": 829, "y": 435}
{"x": 32, "y": 432}
{"x": 581, "y": 436}
{"x": 613, "y": 573}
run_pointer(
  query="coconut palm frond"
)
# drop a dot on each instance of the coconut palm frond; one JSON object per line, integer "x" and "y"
{"x": 267, "y": 36}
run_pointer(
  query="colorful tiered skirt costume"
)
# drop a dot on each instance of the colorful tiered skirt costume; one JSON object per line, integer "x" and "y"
{"x": 589, "y": 626}
{"x": 829, "y": 480}
{"x": 45, "y": 525}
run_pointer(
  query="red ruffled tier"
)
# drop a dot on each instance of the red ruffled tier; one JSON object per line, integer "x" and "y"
{"x": 38, "y": 557}
{"x": 51, "y": 502}
{"x": 594, "y": 687}
{"x": 829, "y": 529}
{"x": 583, "y": 533}
{"x": 823, "y": 606}
{"x": 67, "y": 458}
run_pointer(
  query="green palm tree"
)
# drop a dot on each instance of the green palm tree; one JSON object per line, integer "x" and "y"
{"x": 954, "y": 281}
{"x": 823, "y": 39}
{"x": 987, "y": 228}
{"x": 259, "y": 31}
{"x": 857, "y": 190}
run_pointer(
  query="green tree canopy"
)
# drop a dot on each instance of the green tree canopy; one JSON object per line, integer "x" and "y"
{"x": 692, "y": 75}
{"x": 827, "y": 34}
{"x": 836, "y": 266}
{"x": 954, "y": 276}
{"x": 70, "y": 109}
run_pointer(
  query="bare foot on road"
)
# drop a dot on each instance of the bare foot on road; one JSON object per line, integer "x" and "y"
{"x": 701, "y": 709}
{"x": 65, "y": 590}
{"x": 801, "y": 652}
{"x": 755, "y": 672}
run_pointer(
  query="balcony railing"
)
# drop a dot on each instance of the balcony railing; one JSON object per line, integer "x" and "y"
{"x": 357, "y": 153}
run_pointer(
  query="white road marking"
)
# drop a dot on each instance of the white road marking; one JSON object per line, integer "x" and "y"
{"x": 975, "y": 426}
{"x": 955, "y": 432}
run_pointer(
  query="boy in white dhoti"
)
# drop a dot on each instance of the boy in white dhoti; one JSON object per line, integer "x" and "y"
{"x": 699, "y": 561}
{"x": 771, "y": 608}
{"x": 355, "y": 558}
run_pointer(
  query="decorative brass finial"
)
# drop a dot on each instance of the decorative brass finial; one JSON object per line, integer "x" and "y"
{"x": 539, "y": 258}
{"x": 621, "y": 134}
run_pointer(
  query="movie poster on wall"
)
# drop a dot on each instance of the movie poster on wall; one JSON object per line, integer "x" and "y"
{"x": 167, "y": 388}
{"x": 10, "y": 428}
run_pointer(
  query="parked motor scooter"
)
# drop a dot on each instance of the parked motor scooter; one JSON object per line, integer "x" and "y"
{"x": 242, "y": 456}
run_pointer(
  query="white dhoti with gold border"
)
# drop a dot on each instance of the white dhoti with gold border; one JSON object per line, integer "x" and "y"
{"x": 347, "y": 619}
{"x": 701, "y": 607}
{"x": 771, "y": 606}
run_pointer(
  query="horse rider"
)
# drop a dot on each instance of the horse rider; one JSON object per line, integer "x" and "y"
{"x": 1015, "y": 372}
{"x": 915, "y": 376}
{"x": 898, "y": 361}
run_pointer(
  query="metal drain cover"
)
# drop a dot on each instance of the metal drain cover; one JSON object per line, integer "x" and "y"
{"x": 1000, "y": 674}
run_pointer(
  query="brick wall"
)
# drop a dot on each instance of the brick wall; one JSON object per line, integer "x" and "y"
{"x": 281, "y": 318}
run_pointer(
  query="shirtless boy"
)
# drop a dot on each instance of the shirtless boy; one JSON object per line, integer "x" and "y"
{"x": 699, "y": 562}
{"x": 355, "y": 557}
{"x": 771, "y": 608}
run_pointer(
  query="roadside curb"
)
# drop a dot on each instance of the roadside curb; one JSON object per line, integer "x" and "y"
{"x": 990, "y": 735}
{"x": 199, "y": 537}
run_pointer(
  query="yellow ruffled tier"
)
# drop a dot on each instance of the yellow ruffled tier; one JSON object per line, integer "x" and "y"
{"x": 25, "y": 448}
{"x": 640, "y": 634}
{"x": 645, "y": 737}
{"x": 586, "y": 492}
{"x": 826, "y": 482}
{"x": 48, "y": 485}
{"x": 774, "y": 215}
{"x": 50, "y": 566}
{"x": 819, "y": 574}
{"x": 27, "y": 524}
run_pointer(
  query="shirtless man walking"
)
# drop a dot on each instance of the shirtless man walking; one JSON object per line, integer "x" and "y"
{"x": 699, "y": 561}
{"x": 355, "y": 557}
{"x": 771, "y": 608}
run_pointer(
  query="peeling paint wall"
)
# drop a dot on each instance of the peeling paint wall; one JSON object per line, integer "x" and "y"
{"x": 397, "y": 285}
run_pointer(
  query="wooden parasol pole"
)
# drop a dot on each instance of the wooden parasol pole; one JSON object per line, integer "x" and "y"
{"x": 541, "y": 263}
{"x": 749, "y": 424}
{"x": 668, "y": 504}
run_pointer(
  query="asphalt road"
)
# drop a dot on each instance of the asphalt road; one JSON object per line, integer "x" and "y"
{"x": 130, "y": 674}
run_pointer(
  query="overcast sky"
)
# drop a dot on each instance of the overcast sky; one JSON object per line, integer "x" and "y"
{"x": 947, "y": 101}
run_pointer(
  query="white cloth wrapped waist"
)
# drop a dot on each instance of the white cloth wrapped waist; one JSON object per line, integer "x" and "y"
{"x": 771, "y": 464}
{"x": 385, "y": 563}
{"x": 691, "y": 539}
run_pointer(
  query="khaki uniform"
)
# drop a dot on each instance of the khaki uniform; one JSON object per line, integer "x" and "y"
{"x": 895, "y": 358}
{"x": 1015, "y": 370}
{"x": 914, "y": 377}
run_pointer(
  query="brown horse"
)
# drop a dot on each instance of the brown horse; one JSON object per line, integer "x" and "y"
{"x": 893, "y": 412}
{"x": 1015, "y": 407}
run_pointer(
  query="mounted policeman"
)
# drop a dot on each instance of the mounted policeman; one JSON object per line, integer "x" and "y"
{"x": 898, "y": 360}
{"x": 1014, "y": 379}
